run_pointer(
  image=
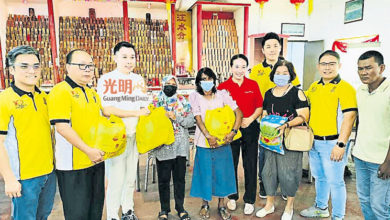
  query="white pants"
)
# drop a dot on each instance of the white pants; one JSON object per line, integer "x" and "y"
{"x": 121, "y": 174}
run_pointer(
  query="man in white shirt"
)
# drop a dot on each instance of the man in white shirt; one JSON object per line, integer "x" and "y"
{"x": 371, "y": 152}
{"x": 123, "y": 94}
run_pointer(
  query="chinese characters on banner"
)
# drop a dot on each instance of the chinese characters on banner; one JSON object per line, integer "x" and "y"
{"x": 183, "y": 43}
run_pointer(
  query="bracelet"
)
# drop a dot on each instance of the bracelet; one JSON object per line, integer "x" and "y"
{"x": 287, "y": 125}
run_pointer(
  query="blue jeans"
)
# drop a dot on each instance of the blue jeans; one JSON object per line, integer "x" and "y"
{"x": 373, "y": 192}
{"x": 261, "y": 160}
{"x": 329, "y": 177}
{"x": 37, "y": 198}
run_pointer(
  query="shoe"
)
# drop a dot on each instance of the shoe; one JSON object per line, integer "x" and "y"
{"x": 337, "y": 218}
{"x": 231, "y": 204}
{"x": 204, "y": 212}
{"x": 262, "y": 212}
{"x": 249, "y": 209}
{"x": 287, "y": 216}
{"x": 130, "y": 215}
{"x": 284, "y": 197}
{"x": 225, "y": 215}
{"x": 185, "y": 215}
{"x": 163, "y": 215}
{"x": 262, "y": 193}
{"x": 314, "y": 212}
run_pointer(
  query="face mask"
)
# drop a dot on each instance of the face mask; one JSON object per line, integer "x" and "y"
{"x": 169, "y": 90}
{"x": 281, "y": 80}
{"x": 207, "y": 85}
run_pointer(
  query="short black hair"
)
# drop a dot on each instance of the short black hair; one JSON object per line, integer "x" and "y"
{"x": 119, "y": 45}
{"x": 69, "y": 56}
{"x": 20, "y": 50}
{"x": 372, "y": 53}
{"x": 269, "y": 36}
{"x": 208, "y": 72}
{"x": 330, "y": 53}
{"x": 239, "y": 56}
{"x": 289, "y": 66}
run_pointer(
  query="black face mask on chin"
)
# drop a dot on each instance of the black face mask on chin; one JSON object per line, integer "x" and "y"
{"x": 169, "y": 90}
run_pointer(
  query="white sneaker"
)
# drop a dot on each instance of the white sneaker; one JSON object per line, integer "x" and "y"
{"x": 232, "y": 205}
{"x": 249, "y": 209}
{"x": 262, "y": 212}
{"x": 287, "y": 216}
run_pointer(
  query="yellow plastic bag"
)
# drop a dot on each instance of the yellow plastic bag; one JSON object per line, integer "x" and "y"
{"x": 154, "y": 130}
{"x": 109, "y": 136}
{"x": 219, "y": 122}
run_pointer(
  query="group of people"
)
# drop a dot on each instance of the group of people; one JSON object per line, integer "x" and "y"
{"x": 31, "y": 166}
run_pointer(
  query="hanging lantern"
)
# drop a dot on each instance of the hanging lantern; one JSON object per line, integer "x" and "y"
{"x": 261, "y": 2}
{"x": 297, "y": 3}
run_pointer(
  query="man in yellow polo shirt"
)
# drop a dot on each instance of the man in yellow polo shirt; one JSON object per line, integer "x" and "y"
{"x": 73, "y": 107}
{"x": 26, "y": 152}
{"x": 333, "y": 111}
{"x": 260, "y": 73}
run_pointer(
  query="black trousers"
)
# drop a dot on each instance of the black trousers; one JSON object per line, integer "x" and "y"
{"x": 248, "y": 144}
{"x": 176, "y": 167}
{"x": 82, "y": 192}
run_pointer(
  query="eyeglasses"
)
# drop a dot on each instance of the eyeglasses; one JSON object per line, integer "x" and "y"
{"x": 24, "y": 66}
{"x": 331, "y": 64}
{"x": 84, "y": 66}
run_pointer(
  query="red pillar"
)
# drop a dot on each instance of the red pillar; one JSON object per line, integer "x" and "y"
{"x": 125, "y": 20}
{"x": 173, "y": 23}
{"x": 53, "y": 41}
{"x": 2, "y": 77}
{"x": 246, "y": 22}
{"x": 199, "y": 37}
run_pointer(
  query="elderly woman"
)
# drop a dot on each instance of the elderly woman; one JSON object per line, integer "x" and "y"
{"x": 288, "y": 101}
{"x": 171, "y": 159}
{"x": 213, "y": 167}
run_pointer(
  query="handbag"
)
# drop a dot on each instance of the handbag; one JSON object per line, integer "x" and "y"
{"x": 299, "y": 138}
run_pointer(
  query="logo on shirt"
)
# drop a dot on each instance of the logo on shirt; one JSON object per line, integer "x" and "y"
{"x": 124, "y": 86}
{"x": 260, "y": 73}
{"x": 313, "y": 89}
{"x": 333, "y": 89}
{"x": 20, "y": 104}
{"x": 75, "y": 94}
{"x": 247, "y": 92}
{"x": 44, "y": 101}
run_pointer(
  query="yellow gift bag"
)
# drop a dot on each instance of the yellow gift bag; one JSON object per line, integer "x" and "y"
{"x": 109, "y": 136}
{"x": 154, "y": 130}
{"x": 219, "y": 122}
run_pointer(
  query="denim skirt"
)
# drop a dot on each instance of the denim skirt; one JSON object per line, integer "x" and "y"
{"x": 213, "y": 173}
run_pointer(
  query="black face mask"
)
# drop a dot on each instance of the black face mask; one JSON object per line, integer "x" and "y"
{"x": 170, "y": 90}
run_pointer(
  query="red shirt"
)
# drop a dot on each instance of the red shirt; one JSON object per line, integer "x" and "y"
{"x": 247, "y": 96}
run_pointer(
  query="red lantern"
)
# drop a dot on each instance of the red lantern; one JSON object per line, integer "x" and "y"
{"x": 297, "y": 3}
{"x": 261, "y": 2}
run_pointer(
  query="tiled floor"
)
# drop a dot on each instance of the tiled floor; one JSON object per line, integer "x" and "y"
{"x": 147, "y": 203}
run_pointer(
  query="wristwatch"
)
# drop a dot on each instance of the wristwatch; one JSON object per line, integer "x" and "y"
{"x": 234, "y": 130}
{"x": 340, "y": 144}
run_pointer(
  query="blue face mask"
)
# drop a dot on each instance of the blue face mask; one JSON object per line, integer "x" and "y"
{"x": 281, "y": 80}
{"x": 206, "y": 85}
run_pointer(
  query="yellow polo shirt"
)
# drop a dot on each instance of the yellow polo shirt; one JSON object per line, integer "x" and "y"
{"x": 79, "y": 106}
{"x": 328, "y": 102}
{"x": 25, "y": 122}
{"x": 373, "y": 137}
{"x": 261, "y": 72}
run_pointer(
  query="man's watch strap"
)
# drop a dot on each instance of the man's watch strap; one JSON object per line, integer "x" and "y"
{"x": 234, "y": 130}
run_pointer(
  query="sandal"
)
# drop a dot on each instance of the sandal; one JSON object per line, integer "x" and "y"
{"x": 204, "y": 212}
{"x": 161, "y": 215}
{"x": 225, "y": 215}
{"x": 185, "y": 215}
